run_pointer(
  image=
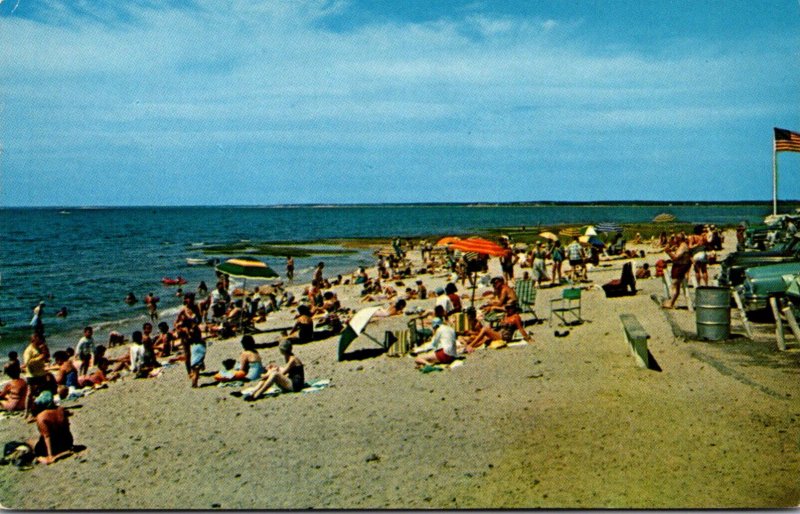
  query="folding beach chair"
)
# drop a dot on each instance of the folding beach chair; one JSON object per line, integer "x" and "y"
{"x": 526, "y": 297}
{"x": 568, "y": 304}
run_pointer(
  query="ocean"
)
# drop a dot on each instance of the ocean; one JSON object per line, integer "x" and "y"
{"x": 88, "y": 259}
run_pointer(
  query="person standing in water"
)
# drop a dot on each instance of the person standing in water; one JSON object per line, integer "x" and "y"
{"x": 289, "y": 268}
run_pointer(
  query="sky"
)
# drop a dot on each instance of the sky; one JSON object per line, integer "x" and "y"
{"x": 237, "y": 102}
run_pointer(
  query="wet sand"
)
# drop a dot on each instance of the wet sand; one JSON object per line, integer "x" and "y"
{"x": 567, "y": 422}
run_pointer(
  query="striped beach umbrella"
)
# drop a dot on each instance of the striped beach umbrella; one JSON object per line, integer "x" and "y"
{"x": 570, "y": 232}
{"x": 478, "y": 245}
{"x": 447, "y": 240}
{"x": 608, "y": 227}
{"x": 246, "y": 268}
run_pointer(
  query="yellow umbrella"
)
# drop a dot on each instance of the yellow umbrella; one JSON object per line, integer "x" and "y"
{"x": 548, "y": 235}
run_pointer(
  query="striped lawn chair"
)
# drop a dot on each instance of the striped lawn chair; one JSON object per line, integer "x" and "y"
{"x": 460, "y": 323}
{"x": 526, "y": 297}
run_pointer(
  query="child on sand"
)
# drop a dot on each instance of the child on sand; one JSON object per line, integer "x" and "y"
{"x": 227, "y": 374}
{"x": 85, "y": 349}
{"x": 197, "y": 354}
{"x": 13, "y": 363}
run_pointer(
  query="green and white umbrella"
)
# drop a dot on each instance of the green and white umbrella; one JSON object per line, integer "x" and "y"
{"x": 246, "y": 268}
{"x": 355, "y": 328}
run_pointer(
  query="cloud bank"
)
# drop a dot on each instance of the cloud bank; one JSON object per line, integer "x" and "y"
{"x": 283, "y": 102}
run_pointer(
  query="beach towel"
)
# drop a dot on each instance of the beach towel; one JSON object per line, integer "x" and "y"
{"x": 311, "y": 386}
{"x": 232, "y": 383}
{"x": 517, "y": 343}
{"x": 428, "y": 368}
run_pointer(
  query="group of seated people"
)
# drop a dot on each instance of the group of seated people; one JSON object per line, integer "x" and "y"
{"x": 498, "y": 319}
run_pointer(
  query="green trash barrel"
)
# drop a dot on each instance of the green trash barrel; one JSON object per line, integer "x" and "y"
{"x": 712, "y": 309}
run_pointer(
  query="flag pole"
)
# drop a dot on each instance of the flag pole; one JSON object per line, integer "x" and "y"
{"x": 774, "y": 180}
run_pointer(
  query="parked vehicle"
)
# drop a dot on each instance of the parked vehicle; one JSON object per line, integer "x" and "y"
{"x": 735, "y": 264}
{"x": 762, "y": 282}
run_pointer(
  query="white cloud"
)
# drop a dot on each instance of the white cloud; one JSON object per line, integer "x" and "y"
{"x": 270, "y": 74}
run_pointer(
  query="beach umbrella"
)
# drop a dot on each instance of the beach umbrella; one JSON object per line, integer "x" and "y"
{"x": 447, "y": 240}
{"x": 664, "y": 218}
{"x": 355, "y": 327}
{"x": 608, "y": 227}
{"x": 246, "y": 268}
{"x": 570, "y": 232}
{"x": 520, "y": 246}
{"x": 548, "y": 235}
{"x": 589, "y": 231}
{"x": 591, "y": 240}
{"x": 478, "y": 245}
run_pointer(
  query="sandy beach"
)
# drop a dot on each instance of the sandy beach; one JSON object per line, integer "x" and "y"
{"x": 566, "y": 422}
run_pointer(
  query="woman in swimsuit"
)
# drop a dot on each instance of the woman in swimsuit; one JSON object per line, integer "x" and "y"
{"x": 681, "y": 264}
{"x": 303, "y": 330}
{"x": 65, "y": 371}
{"x": 250, "y": 366}
{"x": 290, "y": 377}
{"x": 510, "y": 323}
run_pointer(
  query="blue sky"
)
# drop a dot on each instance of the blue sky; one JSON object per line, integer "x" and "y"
{"x": 240, "y": 102}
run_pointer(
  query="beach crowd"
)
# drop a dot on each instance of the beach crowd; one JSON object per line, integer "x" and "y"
{"x": 42, "y": 384}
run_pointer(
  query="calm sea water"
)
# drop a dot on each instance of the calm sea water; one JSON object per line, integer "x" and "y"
{"x": 88, "y": 259}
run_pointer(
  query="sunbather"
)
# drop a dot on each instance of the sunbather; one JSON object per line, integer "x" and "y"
{"x": 12, "y": 396}
{"x": 510, "y": 323}
{"x": 250, "y": 366}
{"x": 444, "y": 345}
{"x": 290, "y": 377}
{"x": 64, "y": 370}
{"x": 474, "y": 326}
{"x": 303, "y": 329}
{"x": 55, "y": 439}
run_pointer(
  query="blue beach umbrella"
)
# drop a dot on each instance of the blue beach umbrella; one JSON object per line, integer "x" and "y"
{"x": 608, "y": 227}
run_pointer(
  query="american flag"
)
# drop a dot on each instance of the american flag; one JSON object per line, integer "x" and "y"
{"x": 786, "y": 141}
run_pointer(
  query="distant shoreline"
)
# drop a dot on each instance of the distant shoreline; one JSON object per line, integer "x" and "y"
{"x": 783, "y": 204}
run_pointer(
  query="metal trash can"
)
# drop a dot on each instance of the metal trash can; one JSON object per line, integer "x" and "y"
{"x": 712, "y": 308}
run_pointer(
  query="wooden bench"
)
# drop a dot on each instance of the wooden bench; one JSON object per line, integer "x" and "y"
{"x": 636, "y": 337}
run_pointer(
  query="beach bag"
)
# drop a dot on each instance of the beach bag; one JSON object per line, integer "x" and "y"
{"x": 19, "y": 454}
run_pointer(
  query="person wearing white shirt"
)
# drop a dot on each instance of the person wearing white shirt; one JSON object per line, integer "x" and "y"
{"x": 444, "y": 344}
{"x": 442, "y": 300}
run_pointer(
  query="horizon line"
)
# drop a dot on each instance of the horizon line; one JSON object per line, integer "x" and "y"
{"x": 413, "y": 204}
